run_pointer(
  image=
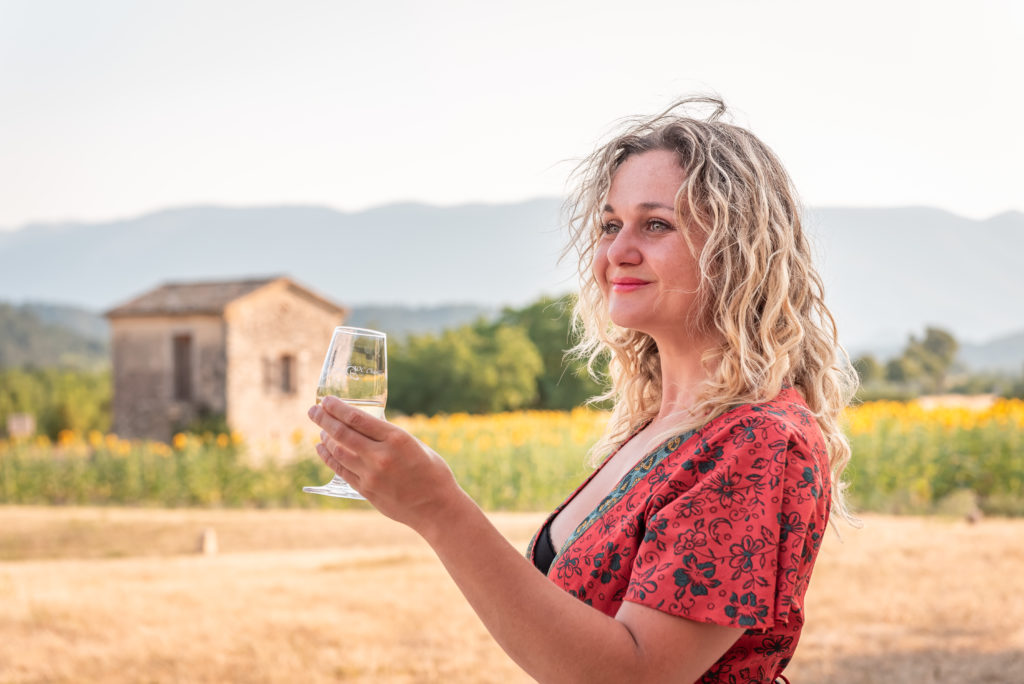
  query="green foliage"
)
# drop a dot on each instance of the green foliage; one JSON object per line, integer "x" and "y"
{"x": 934, "y": 355}
{"x": 884, "y": 391}
{"x": 1015, "y": 389}
{"x": 60, "y": 399}
{"x": 868, "y": 368}
{"x": 479, "y": 368}
{"x": 511, "y": 461}
{"x": 902, "y": 463}
{"x": 903, "y": 370}
{"x": 564, "y": 384}
{"x": 924, "y": 364}
{"x": 517, "y": 361}
{"x": 206, "y": 422}
{"x": 918, "y": 470}
{"x": 984, "y": 383}
{"x": 201, "y": 472}
{"x": 28, "y": 341}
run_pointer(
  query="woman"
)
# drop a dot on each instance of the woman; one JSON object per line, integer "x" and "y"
{"x": 686, "y": 555}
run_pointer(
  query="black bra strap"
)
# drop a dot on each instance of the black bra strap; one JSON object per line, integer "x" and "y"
{"x": 543, "y": 550}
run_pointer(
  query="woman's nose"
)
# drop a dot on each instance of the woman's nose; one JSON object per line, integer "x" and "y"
{"x": 624, "y": 248}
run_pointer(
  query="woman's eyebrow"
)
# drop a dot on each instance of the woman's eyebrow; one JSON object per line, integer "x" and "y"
{"x": 643, "y": 205}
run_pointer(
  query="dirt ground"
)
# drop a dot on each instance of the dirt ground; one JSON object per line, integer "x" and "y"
{"x": 121, "y": 595}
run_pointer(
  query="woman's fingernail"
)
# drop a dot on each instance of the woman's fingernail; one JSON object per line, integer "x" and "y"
{"x": 323, "y": 436}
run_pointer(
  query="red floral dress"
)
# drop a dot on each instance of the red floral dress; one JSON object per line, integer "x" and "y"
{"x": 720, "y": 525}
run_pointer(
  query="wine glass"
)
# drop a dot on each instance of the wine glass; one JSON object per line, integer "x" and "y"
{"x": 356, "y": 371}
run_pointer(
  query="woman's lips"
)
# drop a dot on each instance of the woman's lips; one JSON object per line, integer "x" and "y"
{"x": 627, "y": 284}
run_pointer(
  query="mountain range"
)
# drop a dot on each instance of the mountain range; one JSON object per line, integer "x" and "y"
{"x": 888, "y": 272}
{"x": 43, "y": 335}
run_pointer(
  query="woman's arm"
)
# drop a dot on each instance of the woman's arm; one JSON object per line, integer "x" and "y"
{"x": 552, "y": 635}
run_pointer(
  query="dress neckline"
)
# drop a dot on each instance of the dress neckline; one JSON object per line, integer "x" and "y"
{"x": 639, "y": 470}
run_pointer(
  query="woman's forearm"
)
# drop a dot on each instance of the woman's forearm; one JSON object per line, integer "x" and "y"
{"x": 553, "y": 636}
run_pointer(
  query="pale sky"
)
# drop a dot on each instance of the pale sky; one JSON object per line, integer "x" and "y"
{"x": 110, "y": 109}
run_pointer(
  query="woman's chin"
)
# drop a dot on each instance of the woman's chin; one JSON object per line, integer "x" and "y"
{"x": 631, "y": 320}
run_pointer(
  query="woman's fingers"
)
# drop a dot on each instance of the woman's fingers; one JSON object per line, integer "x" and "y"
{"x": 360, "y": 421}
{"x": 342, "y": 432}
{"x": 336, "y": 460}
{"x": 345, "y": 446}
{"x": 403, "y": 478}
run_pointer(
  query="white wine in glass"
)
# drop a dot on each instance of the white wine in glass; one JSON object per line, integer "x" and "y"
{"x": 356, "y": 371}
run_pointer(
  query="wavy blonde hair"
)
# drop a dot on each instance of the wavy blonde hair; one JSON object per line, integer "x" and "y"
{"x": 759, "y": 291}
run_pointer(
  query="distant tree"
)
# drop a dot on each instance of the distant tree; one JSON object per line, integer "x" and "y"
{"x": 981, "y": 383}
{"x": 941, "y": 343}
{"x": 27, "y": 341}
{"x": 564, "y": 383}
{"x": 934, "y": 355}
{"x": 1016, "y": 388}
{"x": 507, "y": 368}
{"x": 903, "y": 370}
{"x": 478, "y": 368}
{"x": 868, "y": 368}
{"x": 60, "y": 399}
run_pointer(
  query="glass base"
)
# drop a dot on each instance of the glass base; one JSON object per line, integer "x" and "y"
{"x": 336, "y": 487}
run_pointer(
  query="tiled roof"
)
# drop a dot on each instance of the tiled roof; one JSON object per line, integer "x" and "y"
{"x": 177, "y": 299}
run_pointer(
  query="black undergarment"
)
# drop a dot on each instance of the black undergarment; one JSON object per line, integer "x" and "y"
{"x": 543, "y": 550}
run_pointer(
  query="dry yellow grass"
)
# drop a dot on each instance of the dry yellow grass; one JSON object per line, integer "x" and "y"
{"x": 118, "y": 595}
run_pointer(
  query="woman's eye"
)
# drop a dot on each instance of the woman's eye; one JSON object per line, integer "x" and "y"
{"x": 659, "y": 226}
{"x": 609, "y": 228}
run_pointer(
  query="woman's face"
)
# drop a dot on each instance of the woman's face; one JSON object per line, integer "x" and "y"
{"x": 643, "y": 264}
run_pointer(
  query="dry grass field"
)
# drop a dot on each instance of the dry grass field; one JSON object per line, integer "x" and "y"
{"x": 120, "y": 595}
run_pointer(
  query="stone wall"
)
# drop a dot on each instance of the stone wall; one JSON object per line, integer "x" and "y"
{"x": 263, "y": 327}
{"x": 144, "y": 404}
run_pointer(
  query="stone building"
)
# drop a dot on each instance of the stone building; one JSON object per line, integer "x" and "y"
{"x": 247, "y": 351}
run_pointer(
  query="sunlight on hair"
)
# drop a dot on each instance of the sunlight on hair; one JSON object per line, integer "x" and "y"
{"x": 759, "y": 290}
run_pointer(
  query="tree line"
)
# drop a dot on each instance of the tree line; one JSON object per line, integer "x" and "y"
{"x": 30, "y": 341}
{"x": 514, "y": 361}
{"x": 927, "y": 365}
{"x": 56, "y": 398}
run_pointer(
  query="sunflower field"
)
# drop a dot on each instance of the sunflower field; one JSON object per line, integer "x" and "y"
{"x": 907, "y": 458}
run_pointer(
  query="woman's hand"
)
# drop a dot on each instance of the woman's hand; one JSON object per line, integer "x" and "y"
{"x": 402, "y": 477}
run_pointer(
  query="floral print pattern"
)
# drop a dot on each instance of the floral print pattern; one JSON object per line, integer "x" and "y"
{"x": 720, "y": 525}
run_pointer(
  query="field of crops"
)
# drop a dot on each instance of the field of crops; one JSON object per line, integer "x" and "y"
{"x": 907, "y": 459}
{"x": 116, "y": 594}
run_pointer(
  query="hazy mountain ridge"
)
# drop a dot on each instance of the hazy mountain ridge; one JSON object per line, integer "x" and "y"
{"x": 888, "y": 272}
{"x": 401, "y": 321}
{"x": 1001, "y": 354}
{"x": 81, "y": 336}
{"x": 58, "y": 338}
{"x": 433, "y": 255}
{"x": 84, "y": 323}
{"x": 42, "y": 335}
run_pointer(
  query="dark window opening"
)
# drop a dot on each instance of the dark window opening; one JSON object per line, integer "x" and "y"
{"x": 182, "y": 367}
{"x": 287, "y": 374}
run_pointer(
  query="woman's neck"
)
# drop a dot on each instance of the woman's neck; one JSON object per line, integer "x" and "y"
{"x": 683, "y": 376}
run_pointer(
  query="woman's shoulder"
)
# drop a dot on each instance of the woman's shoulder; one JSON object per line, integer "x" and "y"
{"x": 780, "y": 432}
{"x": 784, "y": 415}
{"x": 775, "y": 443}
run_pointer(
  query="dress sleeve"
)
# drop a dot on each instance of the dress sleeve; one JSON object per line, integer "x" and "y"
{"x": 732, "y": 534}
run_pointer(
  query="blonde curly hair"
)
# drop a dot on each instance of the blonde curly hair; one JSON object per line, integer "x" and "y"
{"x": 759, "y": 291}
